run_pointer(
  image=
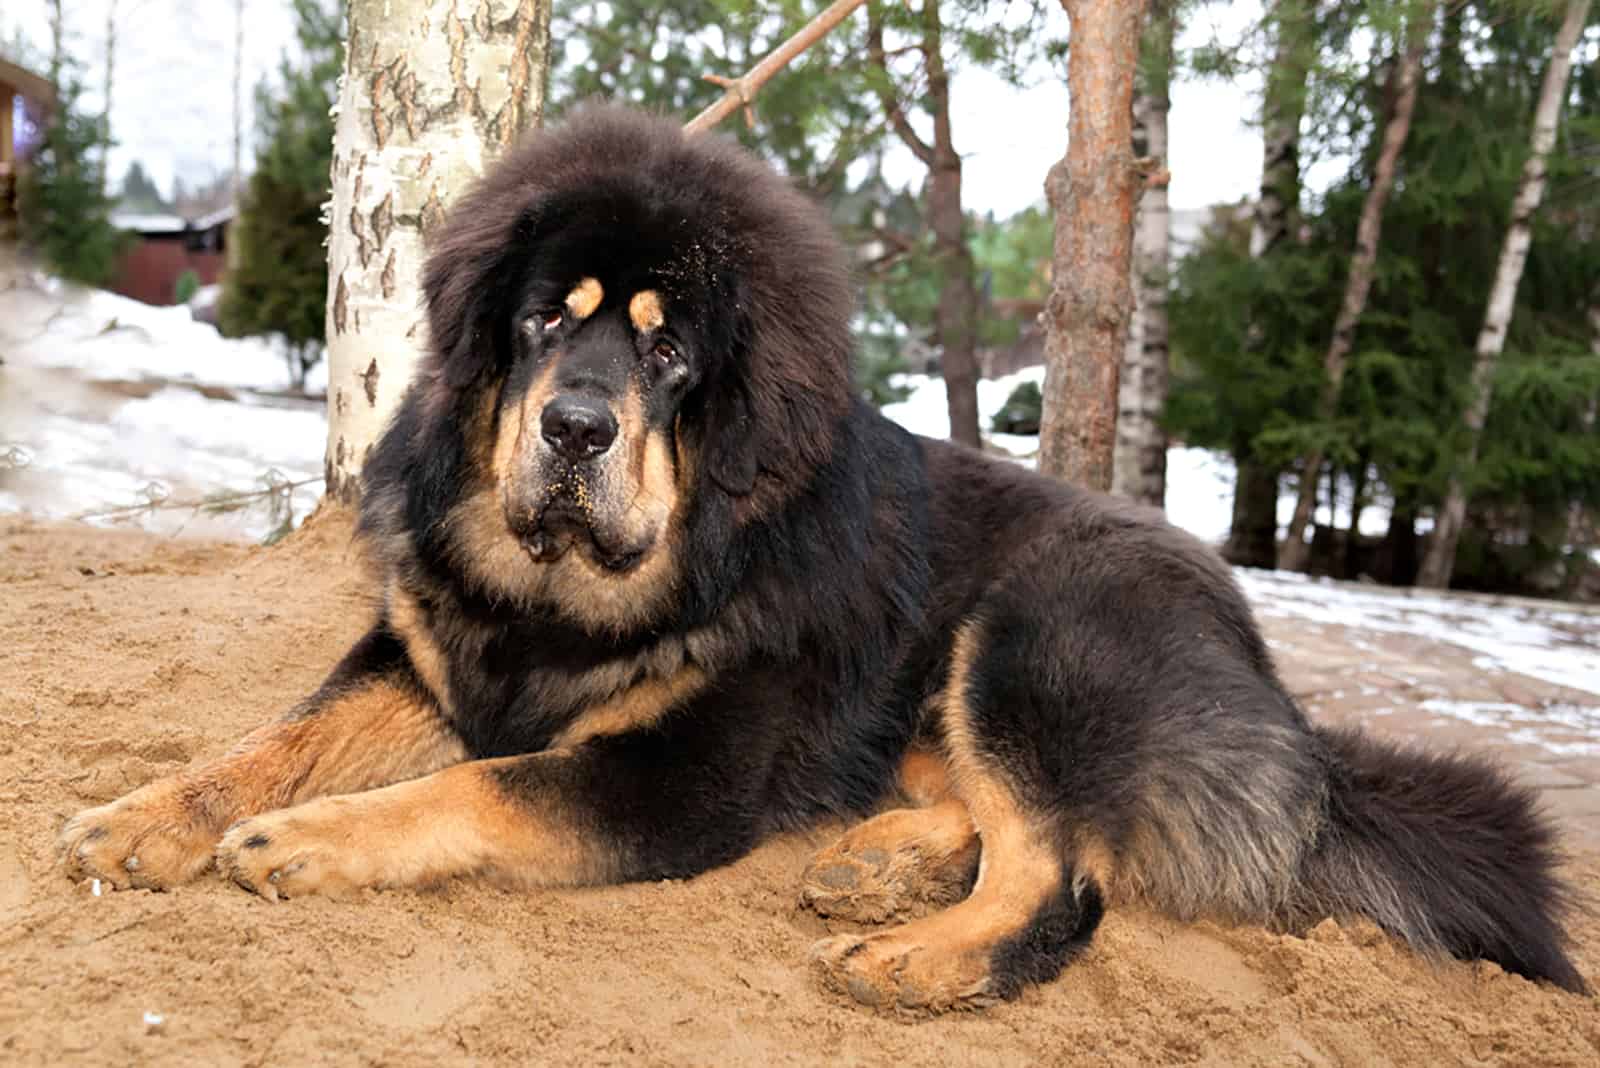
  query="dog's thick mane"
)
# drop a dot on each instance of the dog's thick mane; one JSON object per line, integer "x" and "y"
{"x": 770, "y": 285}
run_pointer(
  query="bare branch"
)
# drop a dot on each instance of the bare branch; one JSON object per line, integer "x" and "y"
{"x": 886, "y": 96}
{"x": 741, "y": 91}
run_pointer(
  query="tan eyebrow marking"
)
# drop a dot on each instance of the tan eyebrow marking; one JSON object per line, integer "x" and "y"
{"x": 645, "y": 311}
{"x": 585, "y": 298}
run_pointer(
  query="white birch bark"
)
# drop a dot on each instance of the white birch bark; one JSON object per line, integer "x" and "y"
{"x": 1139, "y": 467}
{"x": 1440, "y": 560}
{"x": 238, "y": 100}
{"x": 431, "y": 92}
{"x": 1283, "y": 106}
{"x": 110, "y": 84}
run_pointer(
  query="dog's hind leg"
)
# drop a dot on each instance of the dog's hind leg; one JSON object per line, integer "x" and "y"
{"x": 1036, "y": 903}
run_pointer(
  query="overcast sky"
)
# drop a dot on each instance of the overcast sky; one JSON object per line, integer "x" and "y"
{"x": 174, "y": 79}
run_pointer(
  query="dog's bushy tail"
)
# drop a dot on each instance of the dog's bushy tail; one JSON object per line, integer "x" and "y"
{"x": 1444, "y": 851}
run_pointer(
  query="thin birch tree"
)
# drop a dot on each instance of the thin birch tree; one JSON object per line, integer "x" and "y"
{"x": 1139, "y": 468}
{"x": 237, "y": 180}
{"x": 431, "y": 93}
{"x": 1439, "y": 562}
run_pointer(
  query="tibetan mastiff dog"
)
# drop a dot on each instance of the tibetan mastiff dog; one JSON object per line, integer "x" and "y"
{"x": 657, "y": 585}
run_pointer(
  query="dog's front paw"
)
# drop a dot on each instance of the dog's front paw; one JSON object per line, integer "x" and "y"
{"x": 309, "y": 849}
{"x": 154, "y": 838}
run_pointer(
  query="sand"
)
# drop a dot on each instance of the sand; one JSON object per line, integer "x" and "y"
{"x": 126, "y": 655}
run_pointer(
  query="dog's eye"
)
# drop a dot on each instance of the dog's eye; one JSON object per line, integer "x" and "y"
{"x": 665, "y": 352}
{"x": 551, "y": 319}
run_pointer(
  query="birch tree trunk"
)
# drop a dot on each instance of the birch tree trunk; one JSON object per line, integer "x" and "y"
{"x": 1440, "y": 560}
{"x": 238, "y": 99}
{"x": 110, "y": 83}
{"x": 1296, "y": 549}
{"x": 1139, "y": 468}
{"x": 431, "y": 92}
{"x": 1283, "y": 105}
{"x": 1092, "y": 194}
{"x": 1253, "y": 533}
{"x": 58, "y": 47}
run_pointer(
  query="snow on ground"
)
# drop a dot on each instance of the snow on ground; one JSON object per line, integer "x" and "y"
{"x": 106, "y": 403}
{"x": 48, "y": 323}
{"x": 1538, "y": 639}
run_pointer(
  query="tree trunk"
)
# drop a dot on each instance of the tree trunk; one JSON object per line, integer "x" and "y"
{"x": 955, "y": 317}
{"x": 1441, "y": 558}
{"x": 1407, "y": 74}
{"x": 1399, "y": 548}
{"x": 430, "y": 93}
{"x": 58, "y": 44}
{"x": 1283, "y": 105}
{"x": 1140, "y": 465}
{"x": 955, "y": 320}
{"x": 1253, "y": 534}
{"x": 1092, "y": 193}
{"x": 238, "y": 99}
{"x": 1349, "y": 567}
{"x": 1580, "y": 534}
{"x": 111, "y": 68}
{"x": 1252, "y": 538}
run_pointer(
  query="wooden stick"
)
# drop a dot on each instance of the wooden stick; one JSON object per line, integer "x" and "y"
{"x": 740, "y": 92}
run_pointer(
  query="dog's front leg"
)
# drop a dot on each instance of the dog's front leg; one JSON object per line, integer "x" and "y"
{"x": 374, "y": 721}
{"x": 613, "y": 809}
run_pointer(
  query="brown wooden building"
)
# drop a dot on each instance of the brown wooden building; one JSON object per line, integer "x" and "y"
{"x": 25, "y": 100}
{"x": 166, "y": 248}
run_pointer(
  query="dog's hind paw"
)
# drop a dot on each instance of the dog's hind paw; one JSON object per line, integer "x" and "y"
{"x": 895, "y": 866}
{"x": 902, "y": 971}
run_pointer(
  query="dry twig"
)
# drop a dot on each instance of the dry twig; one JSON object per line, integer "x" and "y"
{"x": 741, "y": 92}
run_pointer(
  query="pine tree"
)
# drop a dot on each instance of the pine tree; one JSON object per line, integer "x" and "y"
{"x": 65, "y": 212}
{"x": 279, "y": 279}
{"x": 139, "y": 192}
{"x": 1250, "y": 334}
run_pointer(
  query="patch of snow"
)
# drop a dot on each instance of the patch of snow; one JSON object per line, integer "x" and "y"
{"x": 104, "y": 336}
{"x": 148, "y": 222}
{"x": 110, "y": 403}
{"x": 1557, "y": 645}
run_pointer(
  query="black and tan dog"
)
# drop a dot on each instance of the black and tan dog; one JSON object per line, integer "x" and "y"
{"x": 656, "y": 587}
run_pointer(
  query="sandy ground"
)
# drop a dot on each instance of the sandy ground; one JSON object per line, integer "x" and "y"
{"x": 124, "y": 655}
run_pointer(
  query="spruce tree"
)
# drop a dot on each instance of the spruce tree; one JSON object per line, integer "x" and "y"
{"x": 279, "y": 277}
{"x": 65, "y": 212}
{"x": 139, "y": 192}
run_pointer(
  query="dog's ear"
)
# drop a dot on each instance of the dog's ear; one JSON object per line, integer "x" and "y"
{"x": 732, "y": 452}
{"x": 467, "y": 285}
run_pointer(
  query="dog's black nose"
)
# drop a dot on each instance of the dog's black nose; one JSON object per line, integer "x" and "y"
{"x": 578, "y": 427}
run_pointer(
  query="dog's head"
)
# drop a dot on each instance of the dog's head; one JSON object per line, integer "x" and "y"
{"x": 633, "y": 322}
